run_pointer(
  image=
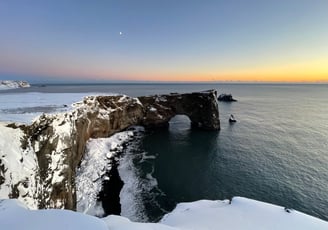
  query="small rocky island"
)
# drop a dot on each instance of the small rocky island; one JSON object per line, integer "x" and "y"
{"x": 50, "y": 150}
{"x": 226, "y": 98}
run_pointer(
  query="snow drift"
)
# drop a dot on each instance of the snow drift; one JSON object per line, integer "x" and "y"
{"x": 240, "y": 213}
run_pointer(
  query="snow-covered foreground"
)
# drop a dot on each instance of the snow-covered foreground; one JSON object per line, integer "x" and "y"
{"x": 241, "y": 213}
{"x": 15, "y": 216}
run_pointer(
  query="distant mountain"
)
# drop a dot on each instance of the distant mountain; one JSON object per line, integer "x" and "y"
{"x": 9, "y": 84}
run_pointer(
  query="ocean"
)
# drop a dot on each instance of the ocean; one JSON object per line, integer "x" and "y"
{"x": 276, "y": 152}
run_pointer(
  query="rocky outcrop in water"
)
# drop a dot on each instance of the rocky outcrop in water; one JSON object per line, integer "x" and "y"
{"x": 59, "y": 141}
{"x": 226, "y": 98}
{"x": 200, "y": 107}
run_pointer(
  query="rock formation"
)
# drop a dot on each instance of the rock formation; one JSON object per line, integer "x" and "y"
{"x": 200, "y": 107}
{"x": 226, "y": 98}
{"x": 59, "y": 140}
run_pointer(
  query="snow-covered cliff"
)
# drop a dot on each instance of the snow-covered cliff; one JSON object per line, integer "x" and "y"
{"x": 8, "y": 84}
{"x": 55, "y": 143}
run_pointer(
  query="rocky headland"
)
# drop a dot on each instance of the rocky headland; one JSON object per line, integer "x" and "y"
{"x": 9, "y": 84}
{"x": 54, "y": 144}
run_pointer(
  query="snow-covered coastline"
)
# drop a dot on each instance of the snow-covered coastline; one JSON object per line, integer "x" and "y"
{"x": 240, "y": 213}
{"x": 9, "y": 84}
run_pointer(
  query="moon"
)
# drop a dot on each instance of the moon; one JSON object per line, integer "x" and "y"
{"x": 120, "y": 33}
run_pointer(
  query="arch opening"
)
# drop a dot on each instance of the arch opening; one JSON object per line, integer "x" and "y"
{"x": 179, "y": 123}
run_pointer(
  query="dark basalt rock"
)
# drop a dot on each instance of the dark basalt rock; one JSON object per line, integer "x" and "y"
{"x": 2, "y": 172}
{"x": 226, "y": 98}
{"x": 201, "y": 108}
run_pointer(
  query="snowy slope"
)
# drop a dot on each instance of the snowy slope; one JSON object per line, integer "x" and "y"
{"x": 241, "y": 214}
{"x": 15, "y": 216}
{"x": 18, "y": 167}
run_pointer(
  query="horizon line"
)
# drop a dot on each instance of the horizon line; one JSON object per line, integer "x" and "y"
{"x": 171, "y": 82}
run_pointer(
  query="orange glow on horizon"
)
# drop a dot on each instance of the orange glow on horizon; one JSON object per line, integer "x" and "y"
{"x": 314, "y": 71}
{"x": 310, "y": 71}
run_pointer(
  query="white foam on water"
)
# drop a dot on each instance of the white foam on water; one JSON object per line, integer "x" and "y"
{"x": 135, "y": 185}
{"x": 131, "y": 194}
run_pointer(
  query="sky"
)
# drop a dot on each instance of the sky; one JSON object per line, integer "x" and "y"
{"x": 164, "y": 40}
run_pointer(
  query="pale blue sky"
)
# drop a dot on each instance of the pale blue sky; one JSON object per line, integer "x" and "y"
{"x": 160, "y": 39}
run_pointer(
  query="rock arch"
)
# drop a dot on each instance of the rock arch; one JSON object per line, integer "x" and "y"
{"x": 200, "y": 107}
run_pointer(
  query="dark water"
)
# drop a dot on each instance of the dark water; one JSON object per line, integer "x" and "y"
{"x": 276, "y": 152}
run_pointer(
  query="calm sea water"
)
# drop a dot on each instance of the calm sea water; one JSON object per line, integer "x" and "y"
{"x": 276, "y": 152}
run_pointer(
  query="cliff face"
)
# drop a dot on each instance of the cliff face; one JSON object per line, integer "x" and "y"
{"x": 59, "y": 140}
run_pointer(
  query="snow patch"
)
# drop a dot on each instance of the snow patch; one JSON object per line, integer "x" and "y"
{"x": 241, "y": 213}
{"x": 119, "y": 223}
{"x": 19, "y": 167}
{"x": 14, "y": 215}
{"x": 152, "y": 109}
{"x": 160, "y": 99}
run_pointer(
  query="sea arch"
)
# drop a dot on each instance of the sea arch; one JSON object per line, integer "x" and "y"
{"x": 200, "y": 107}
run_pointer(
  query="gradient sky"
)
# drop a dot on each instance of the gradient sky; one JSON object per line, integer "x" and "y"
{"x": 167, "y": 40}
